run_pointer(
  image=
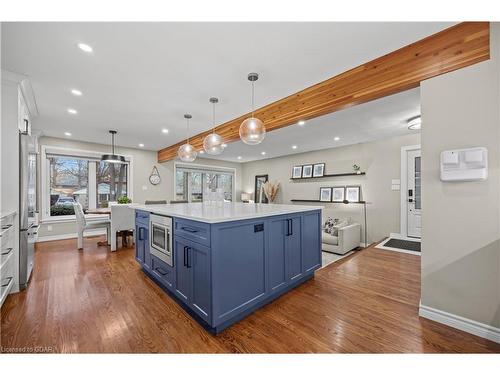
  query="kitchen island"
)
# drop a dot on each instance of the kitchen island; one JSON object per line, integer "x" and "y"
{"x": 222, "y": 262}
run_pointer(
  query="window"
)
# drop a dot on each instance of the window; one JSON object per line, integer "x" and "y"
{"x": 69, "y": 179}
{"x": 191, "y": 182}
{"x": 80, "y": 176}
{"x": 111, "y": 182}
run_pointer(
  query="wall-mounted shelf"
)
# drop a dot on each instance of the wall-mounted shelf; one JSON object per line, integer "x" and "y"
{"x": 329, "y": 175}
{"x": 318, "y": 201}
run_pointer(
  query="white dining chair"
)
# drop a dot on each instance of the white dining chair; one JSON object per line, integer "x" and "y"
{"x": 82, "y": 224}
{"x": 122, "y": 219}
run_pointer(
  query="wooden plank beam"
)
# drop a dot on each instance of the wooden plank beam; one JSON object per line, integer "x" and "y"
{"x": 459, "y": 46}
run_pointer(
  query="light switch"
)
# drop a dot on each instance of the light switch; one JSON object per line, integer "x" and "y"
{"x": 450, "y": 157}
{"x": 396, "y": 182}
{"x": 144, "y": 187}
{"x": 473, "y": 156}
{"x": 396, "y": 187}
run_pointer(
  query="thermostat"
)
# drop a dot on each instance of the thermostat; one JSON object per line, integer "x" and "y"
{"x": 468, "y": 164}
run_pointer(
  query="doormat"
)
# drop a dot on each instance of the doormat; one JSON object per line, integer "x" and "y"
{"x": 403, "y": 244}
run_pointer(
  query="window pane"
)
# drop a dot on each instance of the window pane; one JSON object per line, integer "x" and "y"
{"x": 68, "y": 184}
{"x": 196, "y": 186}
{"x": 111, "y": 182}
{"x": 181, "y": 185}
{"x": 225, "y": 181}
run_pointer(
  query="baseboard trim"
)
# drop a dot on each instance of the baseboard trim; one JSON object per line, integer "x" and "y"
{"x": 66, "y": 236}
{"x": 461, "y": 323}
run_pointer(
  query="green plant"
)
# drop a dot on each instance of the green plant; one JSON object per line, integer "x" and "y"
{"x": 356, "y": 168}
{"x": 124, "y": 200}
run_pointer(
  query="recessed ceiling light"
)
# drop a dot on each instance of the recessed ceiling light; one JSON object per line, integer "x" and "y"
{"x": 294, "y": 147}
{"x": 263, "y": 153}
{"x": 415, "y": 123}
{"x": 164, "y": 131}
{"x": 85, "y": 47}
{"x": 201, "y": 152}
{"x": 301, "y": 123}
{"x": 239, "y": 158}
{"x": 224, "y": 145}
{"x": 72, "y": 111}
{"x": 336, "y": 139}
{"x": 67, "y": 134}
{"x": 141, "y": 144}
{"x": 76, "y": 92}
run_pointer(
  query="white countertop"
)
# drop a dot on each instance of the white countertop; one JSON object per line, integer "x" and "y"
{"x": 213, "y": 213}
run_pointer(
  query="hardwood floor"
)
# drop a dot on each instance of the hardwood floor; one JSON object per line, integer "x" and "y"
{"x": 97, "y": 301}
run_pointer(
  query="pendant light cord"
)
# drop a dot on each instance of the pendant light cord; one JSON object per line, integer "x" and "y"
{"x": 113, "y": 143}
{"x": 187, "y": 130}
{"x": 213, "y": 117}
{"x": 253, "y": 97}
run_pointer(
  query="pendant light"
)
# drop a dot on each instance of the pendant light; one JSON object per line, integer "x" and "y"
{"x": 113, "y": 158}
{"x": 252, "y": 130}
{"x": 187, "y": 152}
{"x": 213, "y": 142}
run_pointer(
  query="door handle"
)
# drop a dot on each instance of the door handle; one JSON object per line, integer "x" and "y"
{"x": 9, "y": 249}
{"x": 185, "y": 256}
{"x": 188, "y": 258}
{"x": 160, "y": 271}
{"x": 291, "y": 227}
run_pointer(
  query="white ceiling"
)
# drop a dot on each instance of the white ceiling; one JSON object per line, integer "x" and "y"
{"x": 378, "y": 119}
{"x": 142, "y": 77}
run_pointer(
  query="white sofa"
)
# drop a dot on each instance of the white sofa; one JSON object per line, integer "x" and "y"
{"x": 348, "y": 238}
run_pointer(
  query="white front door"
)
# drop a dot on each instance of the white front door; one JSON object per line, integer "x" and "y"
{"x": 414, "y": 196}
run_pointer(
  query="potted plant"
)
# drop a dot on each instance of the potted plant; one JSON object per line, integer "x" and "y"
{"x": 124, "y": 200}
{"x": 356, "y": 168}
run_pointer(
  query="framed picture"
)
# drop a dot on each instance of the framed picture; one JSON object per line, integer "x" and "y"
{"x": 319, "y": 170}
{"x": 325, "y": 194}
{"x": 260, "y": 196}
{"x": 307, "y": 171}
{"x": 338, "y": 193}
{"x": 353, "y": 193}
{"x": 297, "y": 171}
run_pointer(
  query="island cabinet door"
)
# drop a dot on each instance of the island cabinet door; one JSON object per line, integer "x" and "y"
{"x": 139, "y": 243}
{"x": 238, "y": 268}
{"x": 294, "y": 247}
{"x": 192, "y": 280}
{"x": 311, "y": 241}
{"x": 145, "y": 243}
{"x": 182, "y": 272}
{"x": 199, "y": 264}
{"x": 276, "y": 253}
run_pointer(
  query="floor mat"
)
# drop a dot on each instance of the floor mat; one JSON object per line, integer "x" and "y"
{"x": 403, "y": 244}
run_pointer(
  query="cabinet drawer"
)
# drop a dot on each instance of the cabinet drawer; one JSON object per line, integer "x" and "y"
{"x": 6, "y": 236}
{"x": 163, "y": 272}
{"x": 193, "y": 230}
{"x": 142, "y": 217}
{"x": 5, "y": 286}
{"x": 5, "y": 256}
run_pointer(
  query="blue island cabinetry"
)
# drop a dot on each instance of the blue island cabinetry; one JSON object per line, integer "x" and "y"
{"x": 224, "y": 271}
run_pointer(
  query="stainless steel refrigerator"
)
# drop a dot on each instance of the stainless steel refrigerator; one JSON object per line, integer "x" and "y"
{"x": 28, "y": 226}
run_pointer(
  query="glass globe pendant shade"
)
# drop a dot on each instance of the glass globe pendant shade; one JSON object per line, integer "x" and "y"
{"x": 252, "y": 131}
{"x": 187, "y": 153}
{"x": 213, "y": 144}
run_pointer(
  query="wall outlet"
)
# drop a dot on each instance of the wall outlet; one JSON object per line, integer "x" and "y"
{"x": 144, "y": 187}
{"x": 49, "y": 228}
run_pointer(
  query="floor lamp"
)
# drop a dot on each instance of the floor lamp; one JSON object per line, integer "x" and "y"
{"x": 345, "y": 201}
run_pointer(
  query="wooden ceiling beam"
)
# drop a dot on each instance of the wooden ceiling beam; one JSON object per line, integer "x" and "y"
{"x": 459, "y": 46}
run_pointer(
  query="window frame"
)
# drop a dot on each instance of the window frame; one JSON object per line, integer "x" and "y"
{"x": 203, "y": 168}
{"x": 92, "y": 178}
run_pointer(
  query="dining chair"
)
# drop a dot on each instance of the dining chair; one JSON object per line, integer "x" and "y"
{"x": 122, "y": 220}
{"x": 82, "y": 224}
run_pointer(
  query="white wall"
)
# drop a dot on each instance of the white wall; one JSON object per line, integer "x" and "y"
{"x": 381, "y": 162}
{"x": 143, "y": 162}
{"x": 461, "y": 220}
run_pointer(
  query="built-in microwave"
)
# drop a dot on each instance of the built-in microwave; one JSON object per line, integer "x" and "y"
{"x": 160, "y": 238}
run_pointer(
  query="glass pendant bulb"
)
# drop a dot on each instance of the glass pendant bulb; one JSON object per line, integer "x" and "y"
{"x": 252, "y": 131}
{"x": 187, "y": 152}
{"x": 212, "y": 143}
